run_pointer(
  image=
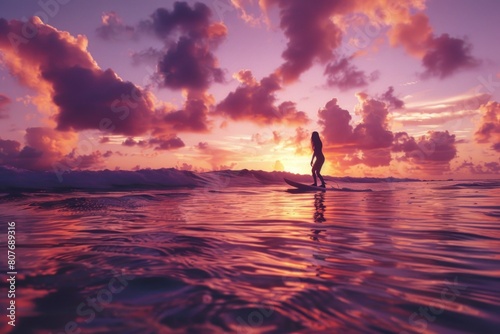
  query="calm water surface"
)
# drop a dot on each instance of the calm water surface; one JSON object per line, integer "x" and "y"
{"x": 405, "y": 258}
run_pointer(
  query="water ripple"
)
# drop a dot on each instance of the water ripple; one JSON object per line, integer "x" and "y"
{"x": 243, "y": 260}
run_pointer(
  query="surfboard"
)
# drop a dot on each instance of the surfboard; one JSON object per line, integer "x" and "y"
{"x": 306, "y": 187}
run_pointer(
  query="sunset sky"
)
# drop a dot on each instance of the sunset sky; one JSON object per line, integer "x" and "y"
{"x": 408, "y": 88}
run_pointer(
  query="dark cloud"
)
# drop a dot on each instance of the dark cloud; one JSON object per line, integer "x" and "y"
{"x": 44, "y": 147}
{"x": 167, "y": 143}
{"x": 486, "y": 168}
{"x": 158, "y": 143}
{"x": 441, "y": 56}
{"x": 187, "y": 62}
{"x": 335, "y": 122}
{"x": 432, "y": 153}
{"x": 193, "y": 21}
{"x": 129, "y": 142}
{"x": 315, "y": 35}
{"x": 4, "y": 102}
{"x": 391, "y": 100}
{"x": 373, "y": 131}
{"x": 342, "y": 74}
{"x": 255, "y": 101}
{"x": 94, "y": 160}
{"x": 113, "y": 29}
{"x": 9, "y": 149}
{"x": 489, "y": 128}
{"x": 86, "y": 96}
{"x": 366, "y": 143}
{"x": 192, "y": 118}
{"x": 312, "y": 36}
{"x": 104, "y": 140}
{"x": 47, "y": 149}
{"x": 447, "y": 55}
{"x": 371, "y": 141}
{"x": 184, "y": 166}
{"x": 492, "y": 167}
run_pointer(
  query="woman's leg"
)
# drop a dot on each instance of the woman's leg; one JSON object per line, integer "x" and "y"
{"x": 317, "y": 168}
{"x": 321, "y": 178}
{"x": 313, "y": 170}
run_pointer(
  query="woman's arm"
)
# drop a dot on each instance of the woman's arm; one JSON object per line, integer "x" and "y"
{"x": 312, "y": 159}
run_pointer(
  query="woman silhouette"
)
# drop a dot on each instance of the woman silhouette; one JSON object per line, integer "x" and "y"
{"x": 317, "y": 147}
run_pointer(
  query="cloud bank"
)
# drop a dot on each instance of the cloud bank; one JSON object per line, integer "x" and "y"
{"x": 489, "y": 127}
{"x": 371, "y": 141}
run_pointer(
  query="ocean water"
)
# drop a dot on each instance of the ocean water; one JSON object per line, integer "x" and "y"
{"x": 239, "y": 253}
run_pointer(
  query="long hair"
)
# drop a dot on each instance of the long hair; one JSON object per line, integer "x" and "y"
{"x": 316, "y": 141}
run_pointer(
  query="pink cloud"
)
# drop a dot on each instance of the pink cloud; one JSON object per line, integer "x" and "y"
{"x": 413, "y": 34}
{"x": 371, "y": 141}
{"x": 4, "y": 102}
{"x": 489, "y": 128}
{"x": 315, "y": 35}
{"x": 192, "y": 118}
{"x": 299, "y": 141}
{"x": 78, "y": 95}
{"x": 485, "y": 168}
{"x": 431, "y": 153}
{"x": 342, "y": 74}
{"x": 276, "y": 137}
{"x": 94, "y": 160}
{"x": 44, "y": 147}
{"x": 59, "y": 66}
{"x": 441, "y": 111}
{"x": 130, "y": 142}
{"x": 335, "y": 121}
{"x": 442, "y": 56}
{"x": 217, "y": 158}
{"x": 185, "y": 166}
{"x": 261, "y": 139}
{"x": 368, "y": 142}
{"x": 373, "y": 131}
